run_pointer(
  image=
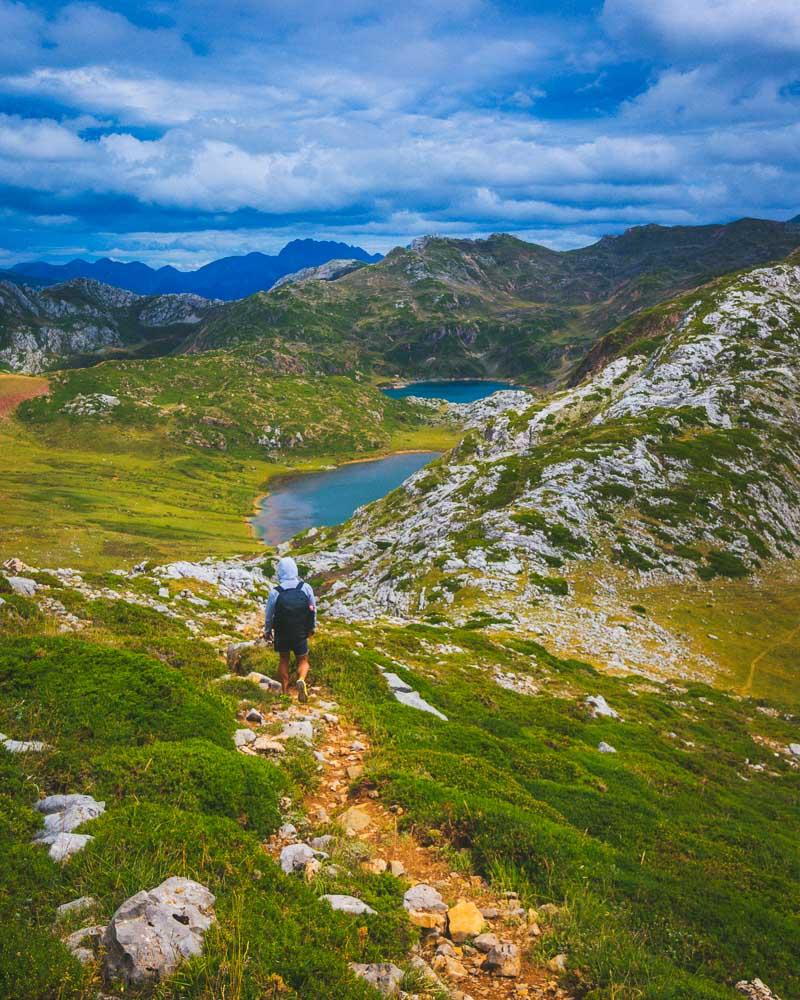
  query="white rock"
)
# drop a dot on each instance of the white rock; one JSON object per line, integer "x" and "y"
{"x": 794, "y": 749}
{"x": 75, "y": 906}
{"x": 300, "y": 730}
{"x": 600, "y": 707}
{"x": 347, "y": 904}
{"x": 396, "y": 683}
{"x": 244, "y": 736}
{"x": 64, "y": 845}
{"x": 604, "y": 747}
{"x": 423, "y": 897}
{"x": 414, "y": 700}
{"x": 22, "y": 585}
{"x": 382, "y": 976}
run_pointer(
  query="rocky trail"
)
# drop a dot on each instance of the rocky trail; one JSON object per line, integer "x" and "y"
{"x": 473, "y": 941}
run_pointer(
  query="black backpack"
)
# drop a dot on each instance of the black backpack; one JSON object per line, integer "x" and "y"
{"x": 293, "y": 613}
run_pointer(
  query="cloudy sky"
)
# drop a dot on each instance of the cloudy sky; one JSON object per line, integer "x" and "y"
{"x": 177, "y": 132}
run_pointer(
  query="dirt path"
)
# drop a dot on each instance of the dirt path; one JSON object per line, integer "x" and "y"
{"x": 748, "y": 686}
{"x": 15, "y": 389}
{"x": 341, "y": 751}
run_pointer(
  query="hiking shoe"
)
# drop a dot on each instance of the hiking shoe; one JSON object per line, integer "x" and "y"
{"x": 302, "y": 692}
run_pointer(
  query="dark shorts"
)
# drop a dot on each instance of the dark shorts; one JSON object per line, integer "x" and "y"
{"x": 297, "y": 646}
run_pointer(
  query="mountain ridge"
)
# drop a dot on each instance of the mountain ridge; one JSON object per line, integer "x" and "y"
{"x": 227, "y": 278}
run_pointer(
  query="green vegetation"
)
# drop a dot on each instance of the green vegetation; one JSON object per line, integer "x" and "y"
{"x": 172, "y": 471}
{"x": 674, "y": 873}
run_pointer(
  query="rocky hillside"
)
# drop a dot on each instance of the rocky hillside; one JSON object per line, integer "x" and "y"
{"x": 498, "y": 306}
{"x": 677, "y": 460}
{"x": 82, "y": 320}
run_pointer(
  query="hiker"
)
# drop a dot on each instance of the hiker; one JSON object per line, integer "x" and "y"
{"x": 291, "y": 617}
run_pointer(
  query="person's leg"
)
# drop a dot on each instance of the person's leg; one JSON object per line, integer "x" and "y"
{"x": 301, "y": 658}
{"x": 283, "y": 671}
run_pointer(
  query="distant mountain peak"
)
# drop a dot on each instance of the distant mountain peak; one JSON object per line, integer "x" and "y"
{"x": 228, "y": 278}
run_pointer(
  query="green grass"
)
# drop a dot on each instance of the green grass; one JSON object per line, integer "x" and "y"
{"x": 174, "y": 471}
{"x": 679, "y": 877}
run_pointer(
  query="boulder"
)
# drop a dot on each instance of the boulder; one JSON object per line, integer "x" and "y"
{"x": 794, "y": 749}
{"x": 423, "y": 897}
{"x": 504, "y": 960}
{"x": 244, "y": 736}
{"x": 756, "y": 990}
{"x": 347, "y": 904}
{"x": 322, "y": 843}
{"x": 427, "y": 921}
{"x": 64, "y": 813}
{"x": 22, "y": 585}
{"x": 153, "y": 932}
{"x": 255, "y": 717}
{"x": 397, "y": 868}
{"x": 604, "y": 747}
{"x": 396, "y": 683}
{"x": 464, "y": 920}
{"x": 381, "y": 976}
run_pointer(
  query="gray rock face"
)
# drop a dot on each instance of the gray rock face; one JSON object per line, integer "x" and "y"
{"x": 382, "y": 976}
{"x": 347, "y": 904}
{"x": 329, "y": 271}
{"x": 425, "y": 898}
{"x": 83, "y": 943}
{"x": 153, "y": 932}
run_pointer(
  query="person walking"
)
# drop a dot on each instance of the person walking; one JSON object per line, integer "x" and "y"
{"x": 290, "y": 619}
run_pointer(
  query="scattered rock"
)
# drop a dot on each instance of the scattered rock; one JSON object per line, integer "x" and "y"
{"x": 75, "y": 906}
{"x": 604, "y": 747}
{"x": 354, "y": 821}
{"x": 295, "y": 857}
{"x": 355, "y": 771}
{"x": 299, "y": 730}
{"x": 23, "y": 746}
{"x": 322, "y": 843}
{"x": 485, "y": 942}
{"x": 264, "y": 744}
{"x": 255, "y": 716}
{"x": 504, "y": 960}
{"x": 288, "y": 831}
{"x": 464, "y": 920}
{"x": 244, "y": 736}
{"x": 424, "y": 898}
{"x": 558, "y": 963}
{"x": 153, "y": 932}
{"x": 397, "y": 868}
{"x": 382, "y": 976}
{"x": 756, "y": 990}
{"x": 377, "y": 866}
{"x": 451, "y": 967}
{"x": 413, "y": 700}
{"x": 77, "y": 942}
{"x": 347, "y": 904}
{"x": 600, "y": 707}
{"x": 427, "y": 921}
{"x": 22, "y": 586}
{"x": 794, "y": 749}
{"x": 490, "y": 913}
{"x": 396, "y": 683}
{"x": 64, "y": 845}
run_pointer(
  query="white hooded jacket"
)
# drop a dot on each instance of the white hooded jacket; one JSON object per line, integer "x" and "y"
{"x": 288, "y": 577}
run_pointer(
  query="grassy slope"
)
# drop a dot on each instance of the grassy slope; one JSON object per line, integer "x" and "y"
{"x": 677, "y": 877}
{"x": 151, "y": 480}
{"x": 133, "y": 719}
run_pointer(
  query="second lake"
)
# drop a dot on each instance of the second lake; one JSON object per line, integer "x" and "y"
{"x": 313, "y": 499}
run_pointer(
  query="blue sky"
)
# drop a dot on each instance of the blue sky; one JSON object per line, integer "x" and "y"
{"x": 177, "y": 132}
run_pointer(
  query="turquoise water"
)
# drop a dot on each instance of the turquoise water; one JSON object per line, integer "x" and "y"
{"x": 461, "y": 391}
{"x": 330, "y": 497}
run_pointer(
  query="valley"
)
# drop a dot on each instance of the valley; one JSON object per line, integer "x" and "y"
{"x": 557, "y": 661}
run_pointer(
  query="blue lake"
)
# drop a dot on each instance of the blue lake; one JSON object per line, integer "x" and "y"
{"x": 318, "y": 498}
{"x": 454, "y": 391}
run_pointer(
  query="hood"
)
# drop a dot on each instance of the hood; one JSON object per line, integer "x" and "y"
{"x": 287, "y": 572}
